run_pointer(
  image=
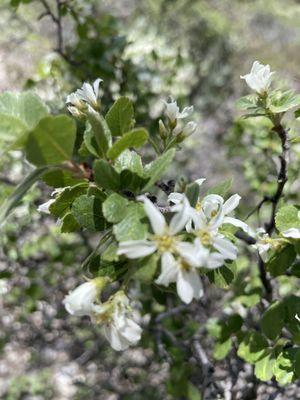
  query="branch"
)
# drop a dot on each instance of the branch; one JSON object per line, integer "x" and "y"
{"x": 282, "y": 175}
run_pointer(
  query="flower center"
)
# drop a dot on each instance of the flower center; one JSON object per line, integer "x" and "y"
{"x": 198, "y": 206}
{"x": 165, "y": 243}
{"x": 213, "y": 213}
{"x": 185, "y": 266}
{"x": 205, "y": 237}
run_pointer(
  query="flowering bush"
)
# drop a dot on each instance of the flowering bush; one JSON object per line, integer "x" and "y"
{"x": 170, "y": 236}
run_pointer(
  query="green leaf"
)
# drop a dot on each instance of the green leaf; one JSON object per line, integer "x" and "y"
{"x": 192, "y": 193}
{"x": 155, "y": 170}
{"x": 264, "y": 368}
{"x": 59, "y": 178}
{"x": 69, "y": 224}
{"x": 87, "y": 212}
{"x": 247, "y": 102}
{"x": 63, "y": 202}
{"x": 52, "y": 141}
{"x": 19, "y": 114}
{"x": 272, "y": 320}
{"x": 192, "y": 392}
{"x": 281, "y": 261}
{"x": 222, "y": 188}
{"x": 106, "y": 176}
{"x": 286, "y": 366}
{"x": 132, "y": 227}
{"x": 120, "y": 117}
{"x": 101, "y": 132}
{"x": 114, "y": 208}
{"x": 284, "y": 101}
{"x": 110, "y": 253}
{"x": 14, "y": 199}
{"x": 129, "y": 160}
{"x": 90, "y": 142}
{"x": 287, "y": 217}
{"x": 135, "y": 138}
{"x": 292, "y": 307}
{"x": 147, "y": 269}
{"x": 253, "y": 347}
{"x": 222, "y": 277}
{"x": 222, "y": 349}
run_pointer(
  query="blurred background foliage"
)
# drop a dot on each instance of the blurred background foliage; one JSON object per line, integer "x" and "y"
{"x": 193, "y": 50}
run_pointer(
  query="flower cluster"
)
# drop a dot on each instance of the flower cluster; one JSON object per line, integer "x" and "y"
{"x": 85, "y": 98}
{"x": 200, "y": 245}
{"x": 175, "y": 127}
{"x": 115, "y": 315}
{"x": 260, "y": 77}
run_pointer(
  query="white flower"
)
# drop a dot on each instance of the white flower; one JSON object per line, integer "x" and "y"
{"x": 173, "y": 112}
{"x": 164, "y": 238}
{"x": 81, "y": 301}
{"x": 259, "y": 78}
{"x": 293, "y": 233}
{"x": 189, "y": 128}
{"x": 213, "y": 208}
{"x": 182, "y": 270}
{"x": 89, "y": 93}
{"x": 263, "y": 244}
{"x": 119, "y": 328}
{"x": 44, "y": 208}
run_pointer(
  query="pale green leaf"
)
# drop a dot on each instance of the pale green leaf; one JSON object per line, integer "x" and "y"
{"x": 135, "y": 138}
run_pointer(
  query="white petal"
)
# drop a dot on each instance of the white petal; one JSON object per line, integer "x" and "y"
{"x": 239, "y": 224}
{"x": 225, "y": 247}
{"x": 131, "y": 331}
{"x": 215, "y": 260}
{"x": 44, "y": 208}
{"x": 175, "y": 197}
{"x": 136, "y": 248}
{"x": 169, "y": 270}
{"x": 189, "y": 286}
{"x": 231, "y": 203}
{"x": 180, "y": 219}
{"x": 96, "y": 86}
{"x": 189, "y": 252}
{"x": 156, "y": 218}
{"x": 115, "y": 339}
{"x": 200, "y": 181}
{"x": 81, "y": 300}
{"x": 293, "y": 233}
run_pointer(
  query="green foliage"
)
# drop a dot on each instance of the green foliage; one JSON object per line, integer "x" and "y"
{"x": 19, "y": 114}
{"x": 52, "y": 141}
{"x": 88, "y": 213}
{"x": 281, "y": 260}
{"x": 154, "y": 170}
{"x": 132, "y": 226}
{"x": 287, "y": 217}
{"x": 114, "y": 208}
{"x": 135, "y": 138}
{"x": 106, "y": 176}
{"x": 120, "y": 117}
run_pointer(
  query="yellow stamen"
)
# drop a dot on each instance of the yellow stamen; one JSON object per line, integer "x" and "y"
{"x": 205, "y": 238}
{"x": 165, "y": 243}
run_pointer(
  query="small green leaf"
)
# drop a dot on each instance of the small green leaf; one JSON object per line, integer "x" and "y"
{"x": 59, "y": 178}
{"x": 135, "y": 138}
{"x": 129, "y": 160}
{"x": 192, "y": 392}
{"x": 272, "y": 320}
{"x": 222, "y": 277}
{"x": 120, "y": 118}
{"x": 253, "y": 347}
{"x": 284, "y": 101}
{"x": 63, "y": 202}
{"x": 287, "y": 217}
{"x": 106, "y": 176}
{"x": 146, "y": 269}
{"x": 281, "y": 261}
{"x": 87, "y": 212}
{"x": 132, "y": 227}
{"x": 14, "y": 199}
{"x": 155, "y": 170}
{"x": 285, "y": 367}
{"x": 192, "y": 193}
{"x": 52, "y": 141}
{"x": 69, "y": 224}
{"x": 19, "y": 114}
{"x": 222, "y": 188}
{"x": 114, "y": 208}
{"x": 90, "y": 142}
{"x": 264, "y": 368}
{"x": 101, "y": 133}
{"x": 222, "y": 349}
